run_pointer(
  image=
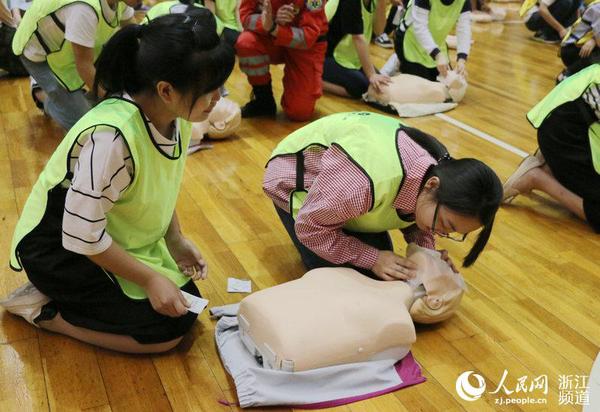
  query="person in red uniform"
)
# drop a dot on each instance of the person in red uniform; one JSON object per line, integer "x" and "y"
{"x": 292, "y": 32}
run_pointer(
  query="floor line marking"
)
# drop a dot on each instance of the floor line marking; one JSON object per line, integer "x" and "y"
{"x": 482, "y": 135}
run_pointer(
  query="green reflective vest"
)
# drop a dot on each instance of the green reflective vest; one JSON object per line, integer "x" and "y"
{"x": 139, "y": 219}
{"x": 62, "y": 61}
{"x": 227, "y": 12}
{"x": 370, "y": 141}
{"x": 568, "y": 90}
{"x": 174, "y": 7}
{"x": 345, "y": 53}
{"x": 442, "y": 19}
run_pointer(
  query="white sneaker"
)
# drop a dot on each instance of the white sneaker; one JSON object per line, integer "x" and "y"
{"x": 26, "y": 302}
{"x": 384, "y": 41}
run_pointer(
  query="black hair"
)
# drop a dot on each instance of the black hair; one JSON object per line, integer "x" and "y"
{"x": 467, "y": 186}
{"x": 182, "y": 49}
{"x": 192, "y": 4}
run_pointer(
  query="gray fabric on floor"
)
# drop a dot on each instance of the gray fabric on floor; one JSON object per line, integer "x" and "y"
{"x": 257, "y": 386}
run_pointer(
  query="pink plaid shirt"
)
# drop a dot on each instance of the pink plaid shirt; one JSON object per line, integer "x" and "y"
{"x": 339, "y": 191}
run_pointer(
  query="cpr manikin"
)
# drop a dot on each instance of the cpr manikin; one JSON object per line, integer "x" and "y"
{"x": 223, "y": 121}
{"x": 334, "y": 316}
{"x": 411, "y": 96}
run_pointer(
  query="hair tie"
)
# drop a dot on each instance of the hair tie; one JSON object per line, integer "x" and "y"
{"x": 446, "y": 156}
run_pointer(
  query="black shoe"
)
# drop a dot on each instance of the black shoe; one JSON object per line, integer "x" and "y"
{"x": 544, "y": 38}
{"x": 262, "y": 103}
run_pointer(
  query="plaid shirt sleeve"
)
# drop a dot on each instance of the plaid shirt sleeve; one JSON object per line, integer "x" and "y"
{"x": 339, "y": 193}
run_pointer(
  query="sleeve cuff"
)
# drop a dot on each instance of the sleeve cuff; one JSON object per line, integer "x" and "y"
{"x": 368, "y": 259}
{"x": 461, "y": 56}
{"x": 434, "y": 53}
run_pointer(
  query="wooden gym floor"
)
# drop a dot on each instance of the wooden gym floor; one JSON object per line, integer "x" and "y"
{"x": 532, "y": 307}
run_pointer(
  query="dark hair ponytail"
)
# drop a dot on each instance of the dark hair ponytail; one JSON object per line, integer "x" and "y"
{"x": 467, "y": 186}
{"x": 182, "y": 49}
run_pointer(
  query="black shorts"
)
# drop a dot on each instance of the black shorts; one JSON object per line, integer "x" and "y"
{"x": 86, "y": 295}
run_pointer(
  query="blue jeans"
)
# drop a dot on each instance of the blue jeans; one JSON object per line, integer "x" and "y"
{"x": 65, "y": 107}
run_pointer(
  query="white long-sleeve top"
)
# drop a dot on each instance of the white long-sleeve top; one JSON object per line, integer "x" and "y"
{"x": 419, "y": 18}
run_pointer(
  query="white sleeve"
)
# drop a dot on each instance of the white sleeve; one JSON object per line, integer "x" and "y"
{"x": 463, "y": 33}
{"x": 101, "y": 173}
{"x": 592, "y": 15}
{"x": 421, "y": 27}
{"x": 81, "y": 23}
{"x": 548, "y": 3}
{"x": 127, "y": 13}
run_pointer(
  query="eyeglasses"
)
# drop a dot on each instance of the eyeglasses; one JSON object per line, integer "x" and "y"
{"x": 459, "y": 238}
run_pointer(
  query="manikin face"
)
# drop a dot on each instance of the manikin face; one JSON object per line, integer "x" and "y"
{"x": 446, "y": 222}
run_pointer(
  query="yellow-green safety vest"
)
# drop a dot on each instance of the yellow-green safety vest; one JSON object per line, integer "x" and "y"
{"x": 370, "y": 141}
{"x": 442, "y": 20}
{"x": 227, "y": 12}
{"x": 62, "y": 60}
{"x": 345, "y": 53}
{"x": 139, "y": 219}
{"x": 566, "y": 91}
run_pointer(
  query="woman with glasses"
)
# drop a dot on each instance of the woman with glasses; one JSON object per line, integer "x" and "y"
{"x": 340, "y": 183}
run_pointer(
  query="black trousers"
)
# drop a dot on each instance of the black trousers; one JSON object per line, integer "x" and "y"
{"x": 311, "y": 260}
{"x": 569, "y": 54}
{"x": 8, "y": 61}
{"x": 565, "y": 11}
{"x": 408, "y": 67}
{"x": 230, "y": 36}
{"x": 563, "y": 140}
{"x": 355, "y": 82}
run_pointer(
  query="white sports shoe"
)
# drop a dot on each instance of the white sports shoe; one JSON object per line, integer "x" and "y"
{"x": 384, "y": 41}
{"x": 26, "y": 302}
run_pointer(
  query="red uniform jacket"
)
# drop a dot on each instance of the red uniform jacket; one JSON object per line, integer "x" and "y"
{"x": 302, "y": 33}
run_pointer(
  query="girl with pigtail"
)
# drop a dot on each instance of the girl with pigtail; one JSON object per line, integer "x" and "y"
{"x": 99, "y": 237}
{"x": 342, "y": 182}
